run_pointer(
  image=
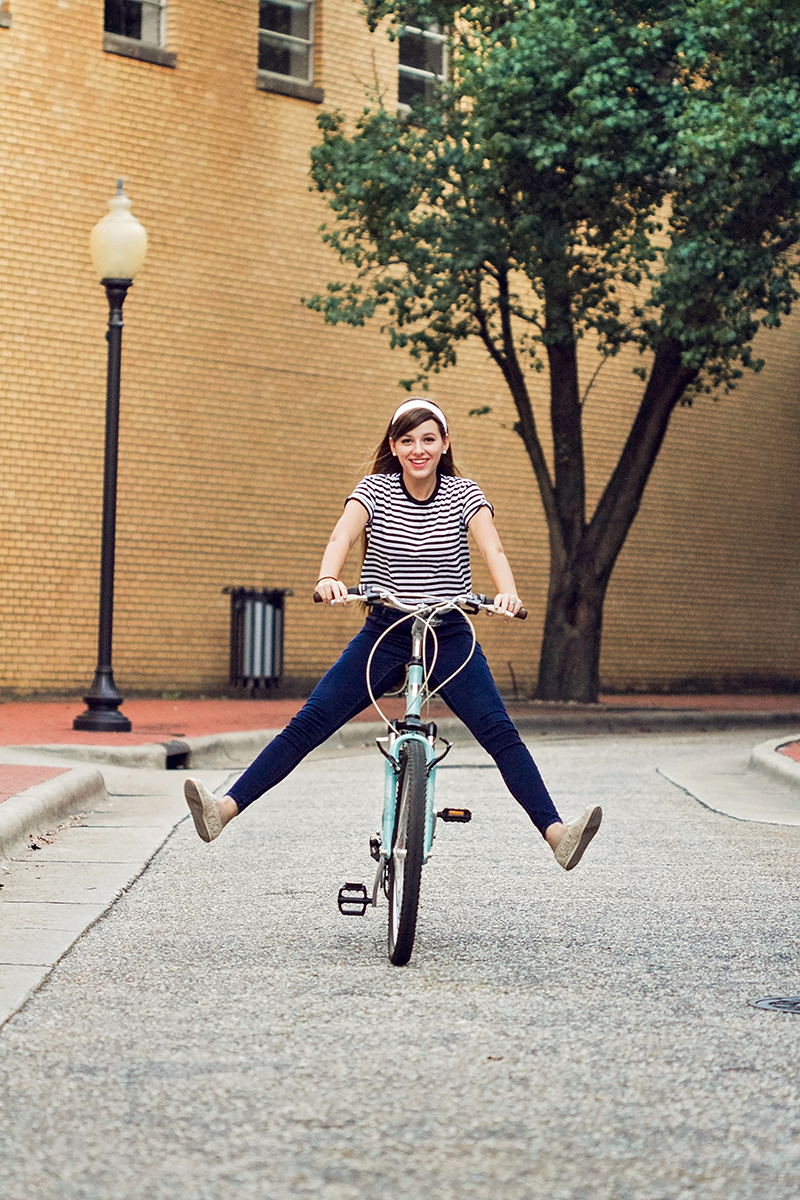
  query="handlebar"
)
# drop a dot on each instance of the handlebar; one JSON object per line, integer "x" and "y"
{"x": 470, "y": 601}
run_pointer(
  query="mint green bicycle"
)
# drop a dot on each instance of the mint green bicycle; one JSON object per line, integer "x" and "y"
{"x": 408, "y": 824}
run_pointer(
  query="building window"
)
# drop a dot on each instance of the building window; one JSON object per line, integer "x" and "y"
{"x": 422, "y": 62}
{"x": 286, "y": 39}
{"x": 142, "y": 20}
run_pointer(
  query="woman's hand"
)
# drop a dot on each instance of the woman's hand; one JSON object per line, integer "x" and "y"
{"x": 330, "y": 590}
{"x": 509, "y": 602}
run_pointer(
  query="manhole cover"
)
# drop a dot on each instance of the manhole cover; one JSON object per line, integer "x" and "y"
{"x": 789, "y": 1004}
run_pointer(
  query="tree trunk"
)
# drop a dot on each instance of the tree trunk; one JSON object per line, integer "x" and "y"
{"x": 569, "y": 664}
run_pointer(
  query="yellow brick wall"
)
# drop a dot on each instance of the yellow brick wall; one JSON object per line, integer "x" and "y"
{"x": 245, "y": 420}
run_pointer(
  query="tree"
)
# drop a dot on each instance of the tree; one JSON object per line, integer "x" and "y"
{"x": 625, "y": 171}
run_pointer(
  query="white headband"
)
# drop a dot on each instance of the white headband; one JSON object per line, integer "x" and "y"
{"x": 408, "y": 405}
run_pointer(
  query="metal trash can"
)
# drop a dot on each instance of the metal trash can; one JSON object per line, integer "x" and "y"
{"x": 256, "y": 636}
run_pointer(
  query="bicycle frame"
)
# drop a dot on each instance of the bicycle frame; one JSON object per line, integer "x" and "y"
{"x": 413, "y": 729}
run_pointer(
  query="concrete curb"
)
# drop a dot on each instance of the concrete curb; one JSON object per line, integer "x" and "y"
{"x": 33, "y": 810}
{"x": 580, "y": 720}
{"x": 225, "y": 749}
{"x": 765, "y": 758}
{"x": 238, "y": 749}
{"x": 150, "y": 755}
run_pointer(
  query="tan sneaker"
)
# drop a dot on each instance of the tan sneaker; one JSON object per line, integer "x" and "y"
{"x": 579, "y": 833}
{"x": 203, "y": 807}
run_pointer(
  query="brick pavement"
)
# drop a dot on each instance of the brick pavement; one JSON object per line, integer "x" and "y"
{"x": 15, "y": 779}
{"x": 42, "y": 722}
{"x": 791, "y": 750}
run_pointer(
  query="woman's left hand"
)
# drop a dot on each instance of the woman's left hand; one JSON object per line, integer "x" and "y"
{"x": 509, "y": 602}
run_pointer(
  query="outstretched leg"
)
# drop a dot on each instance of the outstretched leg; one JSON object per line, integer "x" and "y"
{"x": 340, "y": 695}
{"x": 474, "y": 698}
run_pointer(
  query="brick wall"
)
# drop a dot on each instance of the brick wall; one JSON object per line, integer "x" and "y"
{"x": 245, "y": 420}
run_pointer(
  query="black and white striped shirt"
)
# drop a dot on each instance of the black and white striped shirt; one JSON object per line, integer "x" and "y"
{"x": 418, "y": 548}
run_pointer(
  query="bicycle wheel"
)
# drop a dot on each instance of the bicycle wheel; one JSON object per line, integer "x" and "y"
{"x": 405, "y": 865}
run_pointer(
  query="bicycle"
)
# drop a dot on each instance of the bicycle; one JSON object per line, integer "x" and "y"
{"x": 408, "y": 823}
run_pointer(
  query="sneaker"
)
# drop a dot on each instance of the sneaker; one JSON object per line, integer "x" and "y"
{"x": 579, "y": 833}
{"x": 203, "y": 807}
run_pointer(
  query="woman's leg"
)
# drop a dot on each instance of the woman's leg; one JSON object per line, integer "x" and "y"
{"x": 474, "y": 698}
{"x": 340, "y": 695}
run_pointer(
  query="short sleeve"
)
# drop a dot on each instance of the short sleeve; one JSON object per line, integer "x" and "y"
{"x": 473, "y": 500}
{"x": 366, "y": 493}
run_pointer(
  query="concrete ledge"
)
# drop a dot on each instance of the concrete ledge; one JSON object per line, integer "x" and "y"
{"x": 152, "y": 755}
{"x": 266, "y": 82}
{"x": 580, "y": 719}
{"x": 47, "y": 803}
{"x": 766, "y": 758}
{"x": 115, "y": 43}
{"x": 226, "y": 749}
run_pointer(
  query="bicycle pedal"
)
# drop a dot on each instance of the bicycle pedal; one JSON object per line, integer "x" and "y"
{"x": 375, "y": 848}
{"x": 460, "y": 815}
{"x": 353, "y": 900}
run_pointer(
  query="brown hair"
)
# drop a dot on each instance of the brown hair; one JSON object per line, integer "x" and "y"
{"x": 385, "y": 463}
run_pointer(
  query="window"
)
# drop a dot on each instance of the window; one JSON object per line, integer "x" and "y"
{"x": 421, "y": 62}
{"x": 136, "y": 29}
{"x": 142, "y": 20}
{"x": 286, "y": 38}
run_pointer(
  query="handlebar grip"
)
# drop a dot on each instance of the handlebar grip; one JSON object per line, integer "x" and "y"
{"x": 353, "y": 591}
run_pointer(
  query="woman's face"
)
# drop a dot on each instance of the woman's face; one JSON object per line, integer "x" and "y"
{"x": 419, "y": 450}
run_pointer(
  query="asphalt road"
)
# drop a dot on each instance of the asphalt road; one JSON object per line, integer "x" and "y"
{"x": 223, "y": 1033}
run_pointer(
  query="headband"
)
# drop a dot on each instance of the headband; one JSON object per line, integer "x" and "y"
{"x": 407, "y": 406}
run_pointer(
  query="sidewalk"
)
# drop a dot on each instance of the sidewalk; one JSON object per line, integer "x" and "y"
{"x": 48, "y": 722}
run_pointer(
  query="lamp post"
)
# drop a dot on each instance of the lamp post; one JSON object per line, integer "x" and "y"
{"x": 118, "y": 245}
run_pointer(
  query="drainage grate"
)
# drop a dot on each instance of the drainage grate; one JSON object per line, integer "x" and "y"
{"x": 787, "y": 1004}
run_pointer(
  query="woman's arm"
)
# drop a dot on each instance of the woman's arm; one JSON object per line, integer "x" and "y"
{"x": 347, "y": 531}
{"x": 487, "y": 540}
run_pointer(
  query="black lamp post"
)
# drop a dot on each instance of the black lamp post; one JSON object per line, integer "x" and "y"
{"x": 118, "y": 245}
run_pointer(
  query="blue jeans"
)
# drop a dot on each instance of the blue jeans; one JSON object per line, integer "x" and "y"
{"x": 342, "y": 693}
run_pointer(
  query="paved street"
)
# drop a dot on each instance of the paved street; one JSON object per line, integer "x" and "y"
{"x": 223, "y": 1033}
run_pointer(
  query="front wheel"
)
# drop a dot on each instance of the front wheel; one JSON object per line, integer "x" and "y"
{"x": 408, "y": 844}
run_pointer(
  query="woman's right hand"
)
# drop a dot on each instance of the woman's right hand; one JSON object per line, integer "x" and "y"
{"x": 331, "y": 590}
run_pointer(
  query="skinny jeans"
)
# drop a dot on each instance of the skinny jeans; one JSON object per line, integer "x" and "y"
{"x": 342, "y": 693}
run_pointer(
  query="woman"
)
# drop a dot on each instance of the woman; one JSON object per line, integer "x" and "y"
{"x": 415, "y": 510}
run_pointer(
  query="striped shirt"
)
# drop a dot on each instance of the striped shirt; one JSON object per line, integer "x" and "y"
{"x": 418, "y": 548}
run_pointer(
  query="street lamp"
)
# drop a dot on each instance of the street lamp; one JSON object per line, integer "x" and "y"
{"x": 118, "y": 245}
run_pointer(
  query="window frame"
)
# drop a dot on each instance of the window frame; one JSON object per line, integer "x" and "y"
{"x": 301, "y": 88}
{"x": 139, "y": 48}
{"x": 433, "y": 33}
{"x": 161, "y": 7}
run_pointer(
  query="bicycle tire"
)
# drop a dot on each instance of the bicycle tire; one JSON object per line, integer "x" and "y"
{"x": 408, "y": 844}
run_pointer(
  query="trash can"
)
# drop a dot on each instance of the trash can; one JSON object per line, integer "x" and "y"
{"x": 256, "y": 636}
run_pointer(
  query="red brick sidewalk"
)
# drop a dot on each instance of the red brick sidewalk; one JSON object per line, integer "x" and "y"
{"x": 15, "y": 779}
{"x": 30, "y": 723}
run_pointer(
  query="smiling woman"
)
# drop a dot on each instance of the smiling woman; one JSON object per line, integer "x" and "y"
{"x": 416, "y": 512}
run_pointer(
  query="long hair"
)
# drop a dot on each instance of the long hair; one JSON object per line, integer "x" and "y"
{"x": 385, "y": 463}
